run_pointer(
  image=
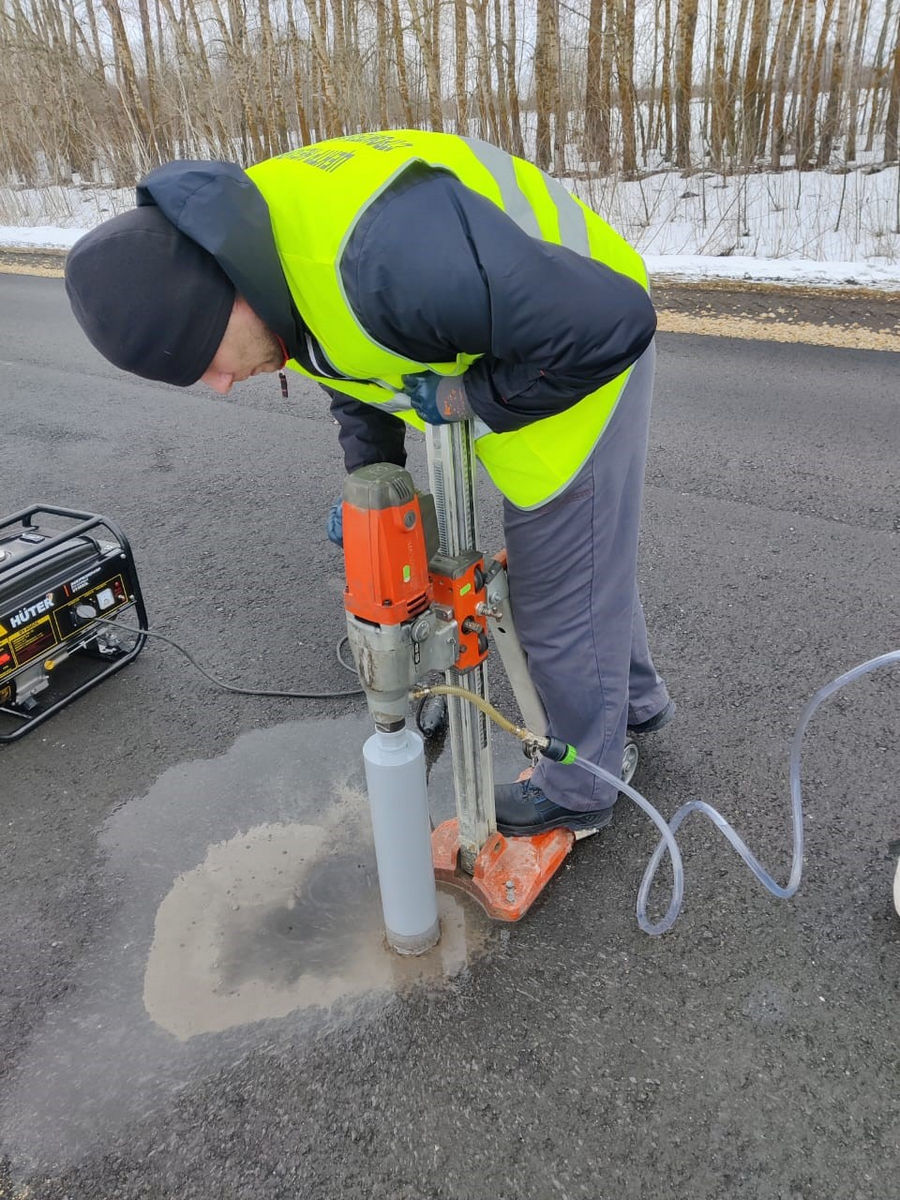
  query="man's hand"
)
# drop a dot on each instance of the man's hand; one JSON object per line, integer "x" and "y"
{"x": 335, "y": 524}
{"x": 437, "y": 399}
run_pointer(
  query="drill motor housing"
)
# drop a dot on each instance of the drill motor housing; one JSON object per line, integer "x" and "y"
{"x": 410, "y": 608}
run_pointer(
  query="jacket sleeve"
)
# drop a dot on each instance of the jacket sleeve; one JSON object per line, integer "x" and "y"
{"x": 366, "y": 434}
{"x": 434, "y": 269}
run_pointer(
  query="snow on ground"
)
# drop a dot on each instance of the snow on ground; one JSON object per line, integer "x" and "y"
{"x": 828, "y": 228}
{"x": 798, "y": 271}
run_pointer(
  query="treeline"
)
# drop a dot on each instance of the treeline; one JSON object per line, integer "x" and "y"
{"x": 104, "y": 89}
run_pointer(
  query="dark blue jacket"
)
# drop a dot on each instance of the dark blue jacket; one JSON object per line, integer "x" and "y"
{"x": 431, "y": 269}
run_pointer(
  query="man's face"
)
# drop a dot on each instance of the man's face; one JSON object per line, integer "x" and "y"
{"x": 248, "y": 348}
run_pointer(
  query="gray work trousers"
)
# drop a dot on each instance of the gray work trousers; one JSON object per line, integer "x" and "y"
{"x": 573, "y": 586}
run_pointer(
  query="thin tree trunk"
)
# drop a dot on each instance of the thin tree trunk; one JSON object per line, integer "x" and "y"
{"x": 892, "y": 126}
{"x": 546, "y": 79}
{"x": 648, "y": 144}
{"x": 330, "y": 110}
{"x": 835, "y": 86}
{"x": 500, "y": 68}
{"x": 338, "y": 57}
{"x": 518, "y": 146}
{"x": 274, "y": 118}
{"x": 233, "y": 33}
{"x": 297, "y": 76}
{"x": 665, "y": 95}
{"x": 880, "y": 72}
{"x": 719, "y": 120}
{"x": 400, "y": 56}
{"x": 95, "y": 36}
{"x": 785, "y": 41}
{"x": 808, "y": 122}
{"x": 150, "y": 69}
{"x": 752, "y": 92}
{"x": 805, "y": 137}
{"x": 624, "y": 65}
{"x": 767, "y": 76}
{"x": 684, "y": 78}
{"x": 489, "y": 126}
{"x": 382, "y": 61}
{"x": 855, "y": 73}
{"x": 732, "y": 140}
{"x": 128, "y": 85}
{"x": 596, "y": 144}
{"x": 430, "y": 61}
{"x": 461, "y": 36}
{"x": 436, "y": 53}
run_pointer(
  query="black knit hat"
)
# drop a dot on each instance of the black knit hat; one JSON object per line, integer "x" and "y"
{"x": 149, "y": 298}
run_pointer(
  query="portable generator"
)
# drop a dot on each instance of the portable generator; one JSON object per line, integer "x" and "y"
{"x": 65, "y": 579}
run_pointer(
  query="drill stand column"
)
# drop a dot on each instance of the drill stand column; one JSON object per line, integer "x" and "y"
{"x": 451, "y": 478}
{"x": 505, "y": 875}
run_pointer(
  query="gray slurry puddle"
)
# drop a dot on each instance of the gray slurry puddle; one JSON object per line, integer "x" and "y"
{"x": 245, "y": 912}
{"x": 280, "y": 919}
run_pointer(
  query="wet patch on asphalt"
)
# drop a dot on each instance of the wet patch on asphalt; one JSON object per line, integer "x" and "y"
{"x": 248, "y": 908}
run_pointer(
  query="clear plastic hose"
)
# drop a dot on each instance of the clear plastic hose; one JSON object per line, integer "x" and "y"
{"x": 667, "y": 841}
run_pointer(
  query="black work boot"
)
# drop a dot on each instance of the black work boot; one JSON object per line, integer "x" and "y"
{"x": 523, "y": 810}
{"x": 663, "y": 717}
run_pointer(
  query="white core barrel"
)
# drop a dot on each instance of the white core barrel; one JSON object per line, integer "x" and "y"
{"x": 395, "y": 777}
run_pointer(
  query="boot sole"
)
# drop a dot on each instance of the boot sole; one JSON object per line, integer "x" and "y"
{"x": 580, "y": 826}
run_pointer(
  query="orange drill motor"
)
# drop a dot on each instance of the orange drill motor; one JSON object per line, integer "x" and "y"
{"x": 410, "y": 608}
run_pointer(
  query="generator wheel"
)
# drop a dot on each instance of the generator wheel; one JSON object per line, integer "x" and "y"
{"x": 630, "y": 761}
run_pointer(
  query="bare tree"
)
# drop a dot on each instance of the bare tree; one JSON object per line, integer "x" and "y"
{"x": 892, "y": 122}
{"x": 598, "y": 88}
{"x": 150, "y": 76}
{"x": 753, "y": 90}
{"x": 295, "y": 48}
{"x": 805, "y": 137}
{"x": 506, "y": 140}
{"x": 665, "y": 94}
{"x": 785, "y": 43}
{"x": 546, "y": 78}
{"x": 486, "y": 107}
{"x": 400, "y": 60}
{"x": 719, "y": 121}
{"x": 461, "y": 36}
{"x": 856, "y": 62}
{"x": 273, "y": 117}
{"x": 684, "y": 79}
{"x": 512, "y": 85}
{"x": 331, "y": 116}
{"x": 835, "y": 86}
{"x": 881, "y": 72}
{"x": 430, "y": 51}
{"x": 127, "y": 78}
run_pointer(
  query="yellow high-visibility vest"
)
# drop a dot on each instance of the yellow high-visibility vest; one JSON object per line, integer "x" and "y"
{"x": 317, "y": 194}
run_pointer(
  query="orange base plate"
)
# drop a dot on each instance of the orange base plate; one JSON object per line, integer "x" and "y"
{"x": 510, "y": 873}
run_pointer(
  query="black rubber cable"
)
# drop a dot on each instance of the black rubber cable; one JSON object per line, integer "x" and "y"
{"x": 229, "y": 687}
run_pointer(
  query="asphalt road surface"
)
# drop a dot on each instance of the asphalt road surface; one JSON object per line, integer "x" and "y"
{"x": 194, "y": 999}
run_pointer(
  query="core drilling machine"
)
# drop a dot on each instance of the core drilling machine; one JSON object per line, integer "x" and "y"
{"x": 420, "y": 598}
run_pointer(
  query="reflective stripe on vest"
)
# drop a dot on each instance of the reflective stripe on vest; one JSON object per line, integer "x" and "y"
{"x": 317, "y": 194}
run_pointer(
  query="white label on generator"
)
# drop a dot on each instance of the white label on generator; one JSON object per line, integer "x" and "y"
{"x": 106, "y": 599}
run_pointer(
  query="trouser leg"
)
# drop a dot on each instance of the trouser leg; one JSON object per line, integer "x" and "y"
{"x": 647, "y": 694}
{"x": 572, "y": 569}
